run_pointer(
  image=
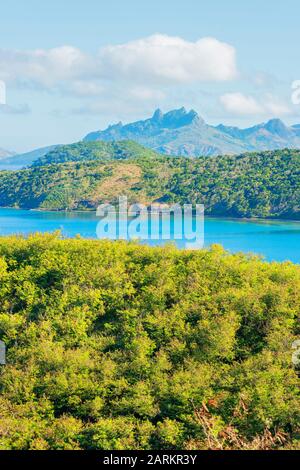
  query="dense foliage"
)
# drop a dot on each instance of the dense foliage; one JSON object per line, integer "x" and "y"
{"x": 265, "y": 184}
{"x": 120, "y": 346}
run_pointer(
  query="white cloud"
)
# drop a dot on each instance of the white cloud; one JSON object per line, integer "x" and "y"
{"x": 237, "y": 103}
{"x": 277, "y": 107}
{"x": 164, "y": 59}
{"x": 43, "y": 67}
{"x": 156, "y": 60}
{"x": 85, "y": 88}
{"x": 114, "y": 99}
{"x": 246, "y": 105}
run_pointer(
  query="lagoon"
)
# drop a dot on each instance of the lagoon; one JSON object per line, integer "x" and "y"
{"x": 274, "y": 240}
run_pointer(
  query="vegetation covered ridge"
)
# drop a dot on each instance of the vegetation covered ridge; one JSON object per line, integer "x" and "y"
{"x": 81, "y": 176}
{"x": 119, "y": 346}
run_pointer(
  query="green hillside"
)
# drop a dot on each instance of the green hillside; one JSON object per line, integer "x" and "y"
{"x": 265, "y": 184}
{"x": 83, "y": 151}
{"x": 121, "y": 346}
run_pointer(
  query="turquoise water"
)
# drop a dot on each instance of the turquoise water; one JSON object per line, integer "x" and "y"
{"x": 275, "y": 240}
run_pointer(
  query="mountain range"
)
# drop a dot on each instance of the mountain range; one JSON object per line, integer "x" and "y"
{"x": 185, "y": 133}
{"x": 180, "y": 132}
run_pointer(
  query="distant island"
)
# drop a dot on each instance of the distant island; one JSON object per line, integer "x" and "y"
{"x": 81, "y": 176}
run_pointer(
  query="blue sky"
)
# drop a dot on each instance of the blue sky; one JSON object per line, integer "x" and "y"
{"x": 75, "y": 66}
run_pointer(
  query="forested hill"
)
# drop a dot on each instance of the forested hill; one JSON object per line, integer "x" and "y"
{"x": 265, "y": 184}
{"x": 83, "y": 151}
{"x": 182, "y": 132}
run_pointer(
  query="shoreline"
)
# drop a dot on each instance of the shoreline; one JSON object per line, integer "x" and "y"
{"x": 210, "y": 217}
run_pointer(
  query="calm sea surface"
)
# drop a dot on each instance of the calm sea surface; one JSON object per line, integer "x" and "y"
{"x": 275, "y": 240}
